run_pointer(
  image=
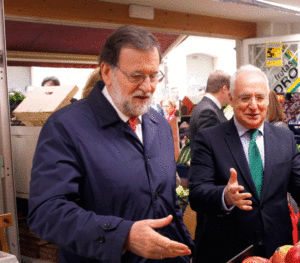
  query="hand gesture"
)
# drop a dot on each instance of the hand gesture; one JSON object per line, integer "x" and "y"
{"x": 144, "y": 241}
{"x": 232, "y": 193}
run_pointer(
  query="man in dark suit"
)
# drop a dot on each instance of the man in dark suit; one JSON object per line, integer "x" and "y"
{"x": 241, "y": 171}
{"x": 208, "y": 112}
{"x": 103, "y": 176}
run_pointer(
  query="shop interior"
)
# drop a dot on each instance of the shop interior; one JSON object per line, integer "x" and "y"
{"x": 70, "y": 35}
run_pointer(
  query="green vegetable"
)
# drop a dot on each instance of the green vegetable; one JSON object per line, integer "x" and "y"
{"x": 16, "y": 97}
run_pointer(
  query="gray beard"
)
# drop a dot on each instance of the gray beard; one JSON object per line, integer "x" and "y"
{"x": 138, "y": 109}
{"x": 127, "y": 106}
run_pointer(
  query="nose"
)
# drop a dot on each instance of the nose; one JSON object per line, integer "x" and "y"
{"x": 253, "y": 103}
{"x": 147, "y": 86}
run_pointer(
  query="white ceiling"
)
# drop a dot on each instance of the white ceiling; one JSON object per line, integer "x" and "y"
{"x": 222, "y": 9}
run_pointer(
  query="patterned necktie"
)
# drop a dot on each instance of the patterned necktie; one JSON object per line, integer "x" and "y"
{"x": 255, "y": 162}
{"x": 132, "y": 123}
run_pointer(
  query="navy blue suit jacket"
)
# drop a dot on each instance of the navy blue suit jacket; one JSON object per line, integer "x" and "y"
{"x": 224, "y": 235}
{"x": 205, "y": 114}
{"x": 92, "y": 179}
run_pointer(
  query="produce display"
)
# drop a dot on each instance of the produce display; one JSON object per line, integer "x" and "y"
{"x": 280, "y": 254}
{"x": 256, "y": 260}
{"x": 283, "y": 254}
{"x": 291, "y": 107}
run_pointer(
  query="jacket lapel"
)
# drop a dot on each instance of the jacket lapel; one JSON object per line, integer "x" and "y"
{"x": 149, "y": 126}
{"x": 236, "y": 148}
{"x": 106, "y": 114}
{"x": 269, "y": 144}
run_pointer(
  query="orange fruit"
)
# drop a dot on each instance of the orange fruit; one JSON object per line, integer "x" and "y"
{"x": 280, "y": 253}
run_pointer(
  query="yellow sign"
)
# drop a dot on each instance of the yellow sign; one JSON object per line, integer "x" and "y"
{"x": 274, "y": 54}
{"x": 294, "y": 86}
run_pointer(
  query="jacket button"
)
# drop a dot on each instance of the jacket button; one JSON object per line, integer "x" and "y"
{"x": 102, "y": 239}
{"x": 157, "y": 195}
{"x": 107, "y": 225}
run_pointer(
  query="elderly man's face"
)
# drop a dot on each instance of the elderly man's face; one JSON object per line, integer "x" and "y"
{"x": 250, "y": 99}
{"x": 132, "y": 99}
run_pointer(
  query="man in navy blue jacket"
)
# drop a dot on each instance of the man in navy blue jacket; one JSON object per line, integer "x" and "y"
{"x": 102, "y": 190}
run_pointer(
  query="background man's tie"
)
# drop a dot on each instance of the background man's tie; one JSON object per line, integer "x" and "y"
{"x": 255, "y": 162}
{"x": 132, "y": 123}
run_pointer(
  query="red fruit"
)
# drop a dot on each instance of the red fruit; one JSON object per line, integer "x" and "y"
{"x": 256, "y": 260}
{"x": 297, "y": 244}
{"x": 280, "y": 253}
{"x": 293, "y": 256}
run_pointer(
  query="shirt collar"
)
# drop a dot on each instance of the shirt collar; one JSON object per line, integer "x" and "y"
{"x": 242, "y": 130}
{"x": 215, "y": 100}
{"x": 122, "y": 116}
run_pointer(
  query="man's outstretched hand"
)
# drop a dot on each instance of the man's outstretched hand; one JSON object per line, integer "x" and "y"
{"x": 232, "y": 193}
{"x": 144, "y": 241}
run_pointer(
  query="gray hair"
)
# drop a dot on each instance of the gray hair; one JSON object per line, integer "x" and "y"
{"x": 249, "y": 68}
{"x": 127, "y": 36}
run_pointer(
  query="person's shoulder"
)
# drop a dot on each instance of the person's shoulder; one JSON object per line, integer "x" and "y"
{"x": 218, "y": 129}
{"x": 280, "y": 133}
{"x": 156, "y": 117}
{"x": 277, "y": 128}
{"x": 281, "y": 124}
{"x": 204, "y": 104}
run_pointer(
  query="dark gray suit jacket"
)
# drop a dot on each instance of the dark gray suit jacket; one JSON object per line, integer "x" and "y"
{"x": 224, "y": 235}
{"x": 205, "y": 114}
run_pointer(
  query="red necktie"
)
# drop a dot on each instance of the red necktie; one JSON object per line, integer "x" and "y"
{"x": 132, "y": 122}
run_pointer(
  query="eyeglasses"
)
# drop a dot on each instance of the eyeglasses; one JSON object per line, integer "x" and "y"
{"x": 139, "y": 78}
{"x": 259, "y": 98}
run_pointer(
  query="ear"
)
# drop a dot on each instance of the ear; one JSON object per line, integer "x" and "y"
{"x": 225, "y": 89}
{"x": 230, "y": 98}
{"x": 107, "y": 74}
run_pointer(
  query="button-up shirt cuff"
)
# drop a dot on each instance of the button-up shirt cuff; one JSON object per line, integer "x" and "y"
{"x": 224, "y": 206}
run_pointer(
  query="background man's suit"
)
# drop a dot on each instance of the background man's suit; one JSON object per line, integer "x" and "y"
{"x": 105, "y": 180}
{"x": 205, "y": 114}
{"x": 219, "y": 148}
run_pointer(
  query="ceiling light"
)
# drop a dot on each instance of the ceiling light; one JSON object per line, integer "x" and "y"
{"x": 265, "y": 4}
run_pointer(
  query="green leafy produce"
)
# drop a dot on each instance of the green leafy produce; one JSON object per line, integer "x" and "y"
{"x": 16, "y": 97}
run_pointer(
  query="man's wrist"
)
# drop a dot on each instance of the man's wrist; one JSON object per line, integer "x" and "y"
{"x": 226, "y": 207}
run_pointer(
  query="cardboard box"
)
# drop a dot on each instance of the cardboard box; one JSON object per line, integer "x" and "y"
{"x": 7, "y": 258}
{"x": 41, "y": 102}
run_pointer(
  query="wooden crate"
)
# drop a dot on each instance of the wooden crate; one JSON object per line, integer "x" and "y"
{"x": 41, "y": 102}
{"x": 49, "y": 252}
{"x": 189, "y": 103}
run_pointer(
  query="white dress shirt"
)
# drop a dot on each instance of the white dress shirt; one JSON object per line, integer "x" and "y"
{"x": 246, "y": 138}
{"x": 215, "y": 100}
